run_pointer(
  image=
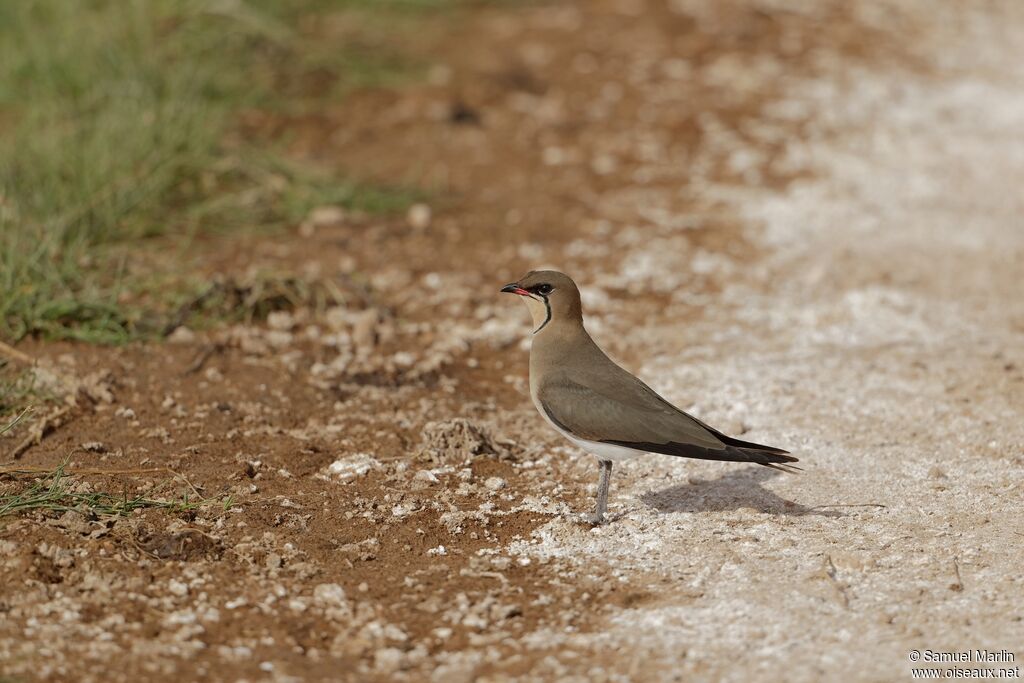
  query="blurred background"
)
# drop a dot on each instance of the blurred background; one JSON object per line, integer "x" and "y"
{"x": 250, "y": 254}
{"x": 134, "y": 130}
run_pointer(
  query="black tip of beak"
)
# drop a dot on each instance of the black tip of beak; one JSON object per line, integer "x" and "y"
{"x": 510, "y": 288}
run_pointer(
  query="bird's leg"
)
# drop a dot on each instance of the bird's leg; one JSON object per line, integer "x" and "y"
{"x": 602, "y": 493}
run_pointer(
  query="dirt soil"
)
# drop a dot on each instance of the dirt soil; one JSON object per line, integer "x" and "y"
{"x": 799, "y": 221}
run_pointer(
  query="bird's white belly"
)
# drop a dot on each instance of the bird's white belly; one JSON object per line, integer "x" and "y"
{"x": 603, "y": 451}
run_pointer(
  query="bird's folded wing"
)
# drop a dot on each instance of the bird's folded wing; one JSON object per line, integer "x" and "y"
{"x": 630, "y": 413}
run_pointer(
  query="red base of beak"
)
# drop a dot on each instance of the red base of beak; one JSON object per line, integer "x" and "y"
{"x": 515, "y": 289}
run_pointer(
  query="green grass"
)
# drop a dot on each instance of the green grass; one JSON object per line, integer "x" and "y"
{"x": 116, "y": 122}
{"x": 53, "y": 493}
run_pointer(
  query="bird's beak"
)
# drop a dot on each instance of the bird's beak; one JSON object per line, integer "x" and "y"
{"x": 514, "y": 288}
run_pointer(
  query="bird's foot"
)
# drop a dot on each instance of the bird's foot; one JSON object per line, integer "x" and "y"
{"x": 593, "y": 519}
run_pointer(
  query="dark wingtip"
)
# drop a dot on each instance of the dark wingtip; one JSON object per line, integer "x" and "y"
{"x": 776, "y": 455}
{"x": 783, "y": 467}
{"x": 749, "y": 445}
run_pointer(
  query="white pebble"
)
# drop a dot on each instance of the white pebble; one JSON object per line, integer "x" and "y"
{"x": 419, "y": 216}
{"x": 329, "y": 595}
{"x": 427, "y": 476}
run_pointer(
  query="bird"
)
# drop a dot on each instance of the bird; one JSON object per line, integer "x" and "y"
{"x": 601, "y": 407}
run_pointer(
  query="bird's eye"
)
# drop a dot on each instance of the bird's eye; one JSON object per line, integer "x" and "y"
{"x": 544, "y": 290}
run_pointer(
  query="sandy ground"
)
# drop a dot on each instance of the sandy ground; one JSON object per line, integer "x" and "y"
{"x": 880, "y": 338}
{"x": 800, "y": 221}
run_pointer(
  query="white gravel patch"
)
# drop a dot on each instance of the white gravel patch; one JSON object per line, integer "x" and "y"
{"x": 880, "y": 340}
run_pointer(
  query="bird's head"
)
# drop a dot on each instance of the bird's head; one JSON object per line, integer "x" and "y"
{"x": 551, "y": 297}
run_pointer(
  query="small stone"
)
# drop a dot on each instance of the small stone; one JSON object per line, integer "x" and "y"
{"x": 94, "y": 447}
{"x": 494, "y": 483}
{"x": 280, "y": 320}
{"x": 322, "y": 217}
{"x": 346, "y": 469}
{"x": 554, "y": 156}
{"x": 327, "y": 215}
{"x": 329, "y": 595}
{"x": 279, "y": 339}
{"x": 403, "y": 509}
{"x": 392, "y": 632}
{"x": 273, "y": 561}
{"x": 426, "y": 476}
{"x": 336, "y": 318}
{"x": 604, "y": 164}
{"x": 182, "y": 335}
{"x": 419, "y": 216}
{"x": 73, "y": 521}
{"x": 178, "y": 588}
{"x": 387, "y": 659}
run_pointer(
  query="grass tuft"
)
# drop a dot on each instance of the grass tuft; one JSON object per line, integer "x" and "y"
{"x": 115, "y": 126}
{"x": 54, "y": 493}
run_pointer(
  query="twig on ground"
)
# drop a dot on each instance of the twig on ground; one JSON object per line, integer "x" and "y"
{"x": 43, "y": 470}
{"x": 15, "y": 354}
{"x": 483, "y": 575}
{"x": 40, "y": 430}
{"x": 848, "y": 505}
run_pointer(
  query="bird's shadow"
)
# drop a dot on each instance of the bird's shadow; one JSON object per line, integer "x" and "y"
{"x": 731, "y": 491}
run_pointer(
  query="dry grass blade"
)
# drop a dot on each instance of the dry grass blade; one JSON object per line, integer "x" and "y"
{"x": 41, "y": 429}
{"x": 13, "y": 423}
{"x": 14, "y": 354}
